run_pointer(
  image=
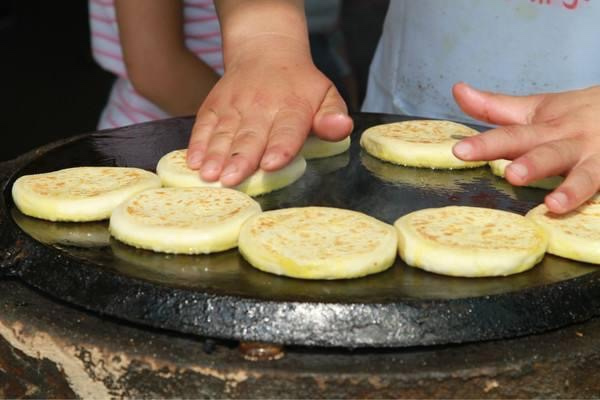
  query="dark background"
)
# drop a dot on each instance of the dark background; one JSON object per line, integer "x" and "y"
{"x": 51, "y": 87}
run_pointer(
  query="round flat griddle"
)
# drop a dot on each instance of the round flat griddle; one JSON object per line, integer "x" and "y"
{"x": 222, "y": 296}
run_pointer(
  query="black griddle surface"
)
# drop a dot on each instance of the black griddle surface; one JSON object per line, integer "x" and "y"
{"x": 221, "y": 295}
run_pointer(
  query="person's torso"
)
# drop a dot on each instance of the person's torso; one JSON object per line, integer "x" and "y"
{"x": 510, "y": 46}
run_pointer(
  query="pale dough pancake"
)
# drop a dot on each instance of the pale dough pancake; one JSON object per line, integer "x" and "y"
{"x": 81, "y": 193}
{"x": 318, "y": 243}
{"x": 318, "y": 148}
{"x": 418, "y": 143}
{"x": 499, "y": 166}
{"x": 183, "y": 220}
{"x": 575, "y": 235}
{"x": 174, "y": 172}
{"x": 470, "y": 241}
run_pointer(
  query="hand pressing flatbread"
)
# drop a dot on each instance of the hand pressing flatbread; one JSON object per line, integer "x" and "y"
{"x": 418, "y": 143}
{"x": 318, "y": 148}
{"x": 318, "y": 243}
{"x": 575, "y": 235}
{"x": 183, "y": 220}
{"x": 81, "y": 193}
{"x": 174, "y": 172}
{"x": 470, "y": 241}
{"x": 498, "y": 168}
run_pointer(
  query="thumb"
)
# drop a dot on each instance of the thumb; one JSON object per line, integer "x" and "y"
{"x": 332, "y": 122}
{"x": 498, "y": 109}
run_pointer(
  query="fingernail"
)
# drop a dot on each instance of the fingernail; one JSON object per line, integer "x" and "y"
{"x": 559, "y": 198}
{"x": 210, "y": 167}
{"x": 463, "y": 149}
{"x": 195, "y": 159}
{"x": 229, "y": 170}
{"x": 269, "y": 160}
{"x": 519, "y": 170}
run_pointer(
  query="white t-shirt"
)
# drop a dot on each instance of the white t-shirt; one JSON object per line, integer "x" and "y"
{"x": 510, "y": 46}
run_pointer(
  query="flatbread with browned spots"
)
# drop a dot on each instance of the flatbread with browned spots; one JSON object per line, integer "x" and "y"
{"x": 318, "y": 148}
{"x": 174, "y": 172}
{"x": 575, "y": 235}
{"x": 81, "y": 193}
{"x": 318, "y": 243}
{"x": 470, "y": 241}
{"x": 498, "y": 168}
{"x": 418, "y": 143}
{"x": 183, "y": 220}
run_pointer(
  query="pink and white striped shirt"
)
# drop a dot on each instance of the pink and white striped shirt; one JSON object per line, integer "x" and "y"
{"x": 125, "y": 106}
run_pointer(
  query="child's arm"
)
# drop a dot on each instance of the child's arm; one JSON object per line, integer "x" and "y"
{"x": 545, "y": 134}
{"x": 270, "y": 96}
{"x": 158, "y": 64}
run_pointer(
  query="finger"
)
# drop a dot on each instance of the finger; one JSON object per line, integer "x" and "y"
{"x": 204, "y": 125}
{"x": 582, "y": 183}
{"x": 217, "y": 151}
{"x": 288, "y": 132}
{"x": 332, "y": 122}
{"x": 510, "y": 141}
{"x": 246, "y": 150}
{"x": 549, "y": 159}
{"x": 496, "y": 108}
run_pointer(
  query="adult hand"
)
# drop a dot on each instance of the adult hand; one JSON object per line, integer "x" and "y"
{"x": 261, "y": 111}
{"x": 545, "y": 134}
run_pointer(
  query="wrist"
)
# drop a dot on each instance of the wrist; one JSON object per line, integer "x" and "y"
{"x": 263, "y": 27}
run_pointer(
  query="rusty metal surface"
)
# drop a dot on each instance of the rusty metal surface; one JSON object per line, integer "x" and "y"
{"x": 221, "y": 296}
{"x": 49, "y": 350}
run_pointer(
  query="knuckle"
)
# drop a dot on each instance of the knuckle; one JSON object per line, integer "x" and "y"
{"x": 297, "y": 106}
{"x": 587, "y": 178}
{"x": 511, "y": 132}
{"x": 248, "y": 135}
{"x": 222, "y": 134}
{"x": 554, "y": 151}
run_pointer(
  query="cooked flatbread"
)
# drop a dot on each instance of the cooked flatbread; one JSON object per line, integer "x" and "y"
{"x": 174, "y": 172}
{"x": 575, "y": 235}
{"x": 470, "y": 241}
{"x": 498, "y": 168}
{"x": 318, "y": 148}
{"x": 318, "y": 243}
{"x": 418, "y": 143}
{"x": 183, "y": 220}
{"x": 81, "y": 193}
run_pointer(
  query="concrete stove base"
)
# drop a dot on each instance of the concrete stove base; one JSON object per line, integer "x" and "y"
{"x": 52, "y": 350}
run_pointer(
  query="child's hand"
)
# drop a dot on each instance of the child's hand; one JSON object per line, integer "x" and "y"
{"x": 262, "y": 109}
{"x": 546, "y": 134}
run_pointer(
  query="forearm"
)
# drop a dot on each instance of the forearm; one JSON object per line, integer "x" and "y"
{"x": 158, "y": 63}
{"x": 178, "y": 84}
{"x": 263, "y": 27}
